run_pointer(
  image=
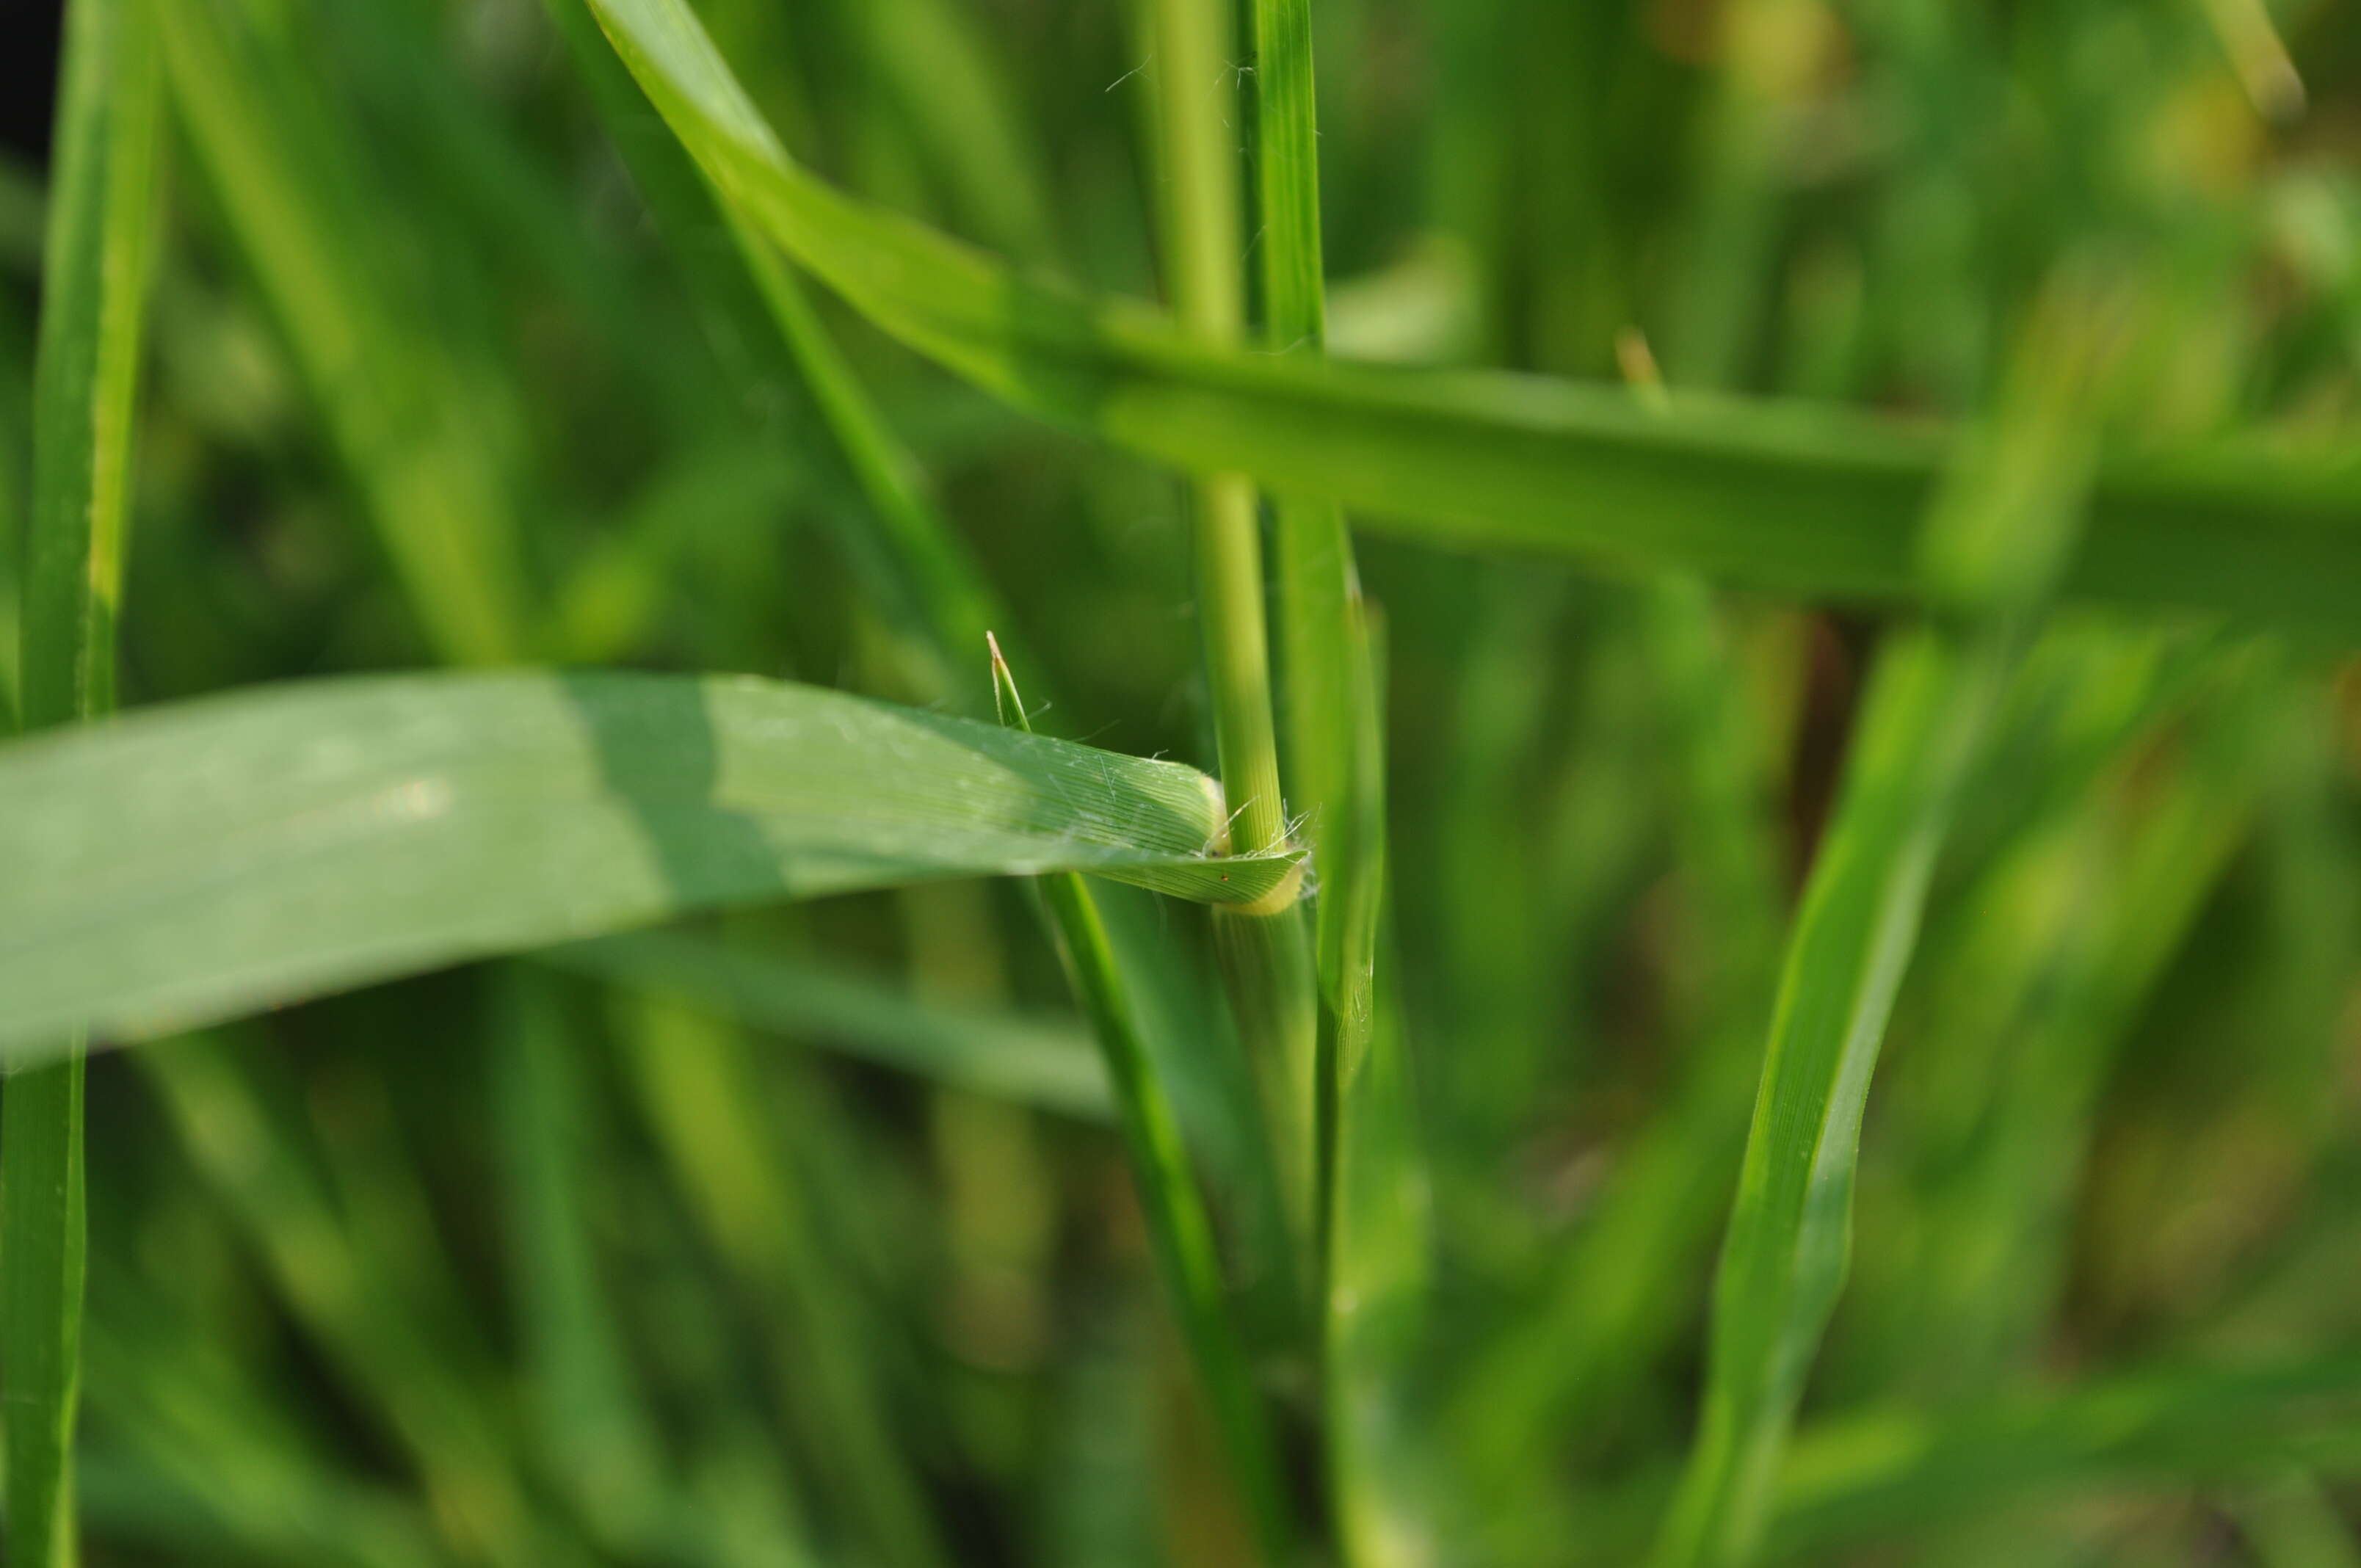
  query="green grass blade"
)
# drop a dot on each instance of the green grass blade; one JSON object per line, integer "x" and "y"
{"x": 2060, "y": 944}
{"x": 719, "y": 1127}
{"x": 1371, "y": 1186}
{"x": 372, "y": 1324}
{"x": 2291, "y": 1522}
{"x": 953, "y": 94}
{"x": 916, "y": 567}
{"x": 234, "y": 853}
{"x": 1797, "y": 499}
{"x": 1378, "y": 1235}
{"x": 1043, "y": 1062}
{"x": 1991, "y": 548}
{"x": 579, "y": 1401}
{"x": 1264, "y": 953}
{"x": 404, "y": 421}
{"x": 1179, "y": 1229}
{"x": 96, "y": 269}
{"x": 1882, "y": 1471}
{"x": 179, "y": 1403}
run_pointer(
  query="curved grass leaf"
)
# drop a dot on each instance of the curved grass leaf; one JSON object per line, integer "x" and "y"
{"x": 1991, "y": 548}
{"x": 96, "y": 268}
{"x": 780, "y": 355}
{"x": 235, "y": 854}
{"x": 1799, "y": 498}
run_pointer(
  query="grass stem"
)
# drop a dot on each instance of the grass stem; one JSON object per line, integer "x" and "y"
{"x": 96, "y": 269}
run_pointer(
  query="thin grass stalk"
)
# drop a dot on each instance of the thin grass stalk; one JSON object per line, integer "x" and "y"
{"x": 1179, "y": 1229}
{"x": 580, "y": 1402}
{"x": 1316, "y": 602}
{"x": 1992, "y": 549}
{"x": 1266, "y": 952}
{"x": 1369, "y": 1241}
{"x": 96, "y": 264}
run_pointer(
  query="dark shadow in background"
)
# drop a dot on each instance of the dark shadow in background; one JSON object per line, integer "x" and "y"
{"x": 29, "y": 31}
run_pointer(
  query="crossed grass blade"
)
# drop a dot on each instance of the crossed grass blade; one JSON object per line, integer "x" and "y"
{"x": 1799, "y": 498}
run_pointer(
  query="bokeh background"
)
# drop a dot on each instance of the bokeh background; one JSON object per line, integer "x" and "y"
{"x": 690, "y": 1247}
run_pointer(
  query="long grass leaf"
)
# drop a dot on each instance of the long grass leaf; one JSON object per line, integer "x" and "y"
{"x": 1797, "y": 499}
{"x": 95, "y": 270}
{"x": 242, "y": 852}
{"x": 919, "y": 572}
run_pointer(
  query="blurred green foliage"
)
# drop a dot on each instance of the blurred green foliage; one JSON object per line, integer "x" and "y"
{"x": 797, "y": 1236}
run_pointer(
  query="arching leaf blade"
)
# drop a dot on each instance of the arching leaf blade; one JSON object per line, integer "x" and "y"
{"x": 212, "y": 859}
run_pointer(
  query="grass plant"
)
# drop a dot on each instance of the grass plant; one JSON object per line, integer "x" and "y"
{"x": 1647, "y": 624}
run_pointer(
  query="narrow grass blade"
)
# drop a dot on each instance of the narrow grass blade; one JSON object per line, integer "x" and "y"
{"x": 917, "y": 570}
{"x": 2060, "y": 944}
{"x": 1180, "y": 1230}
{"x": 916, "y": 567}
{"x": 1858, "y": 1477}
{"x": 720, "y": 1129}
{"x": 2292, "y": 1522}
{"x": 231, "y": 854}
{"x": 1266, "y": 963}
{"x": 1797, "y": 499}
{"x": 367, "y": 1319}
{"x": 1318, "y": 586}
{"x": 1370, "y": 1187}
{"x": 942, "y": 78}
{"x": 213, "y": 1439}
{"x": 1044, "y": 1062}
{"x": 1378, "y": 1234}
{"x": 409, "y": 427}
{"x": 1991, "y": 549}
{"x": 597, "y": 1443}
{"x": 94, "y": 272}
{"x": 1615, "y": 1297}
